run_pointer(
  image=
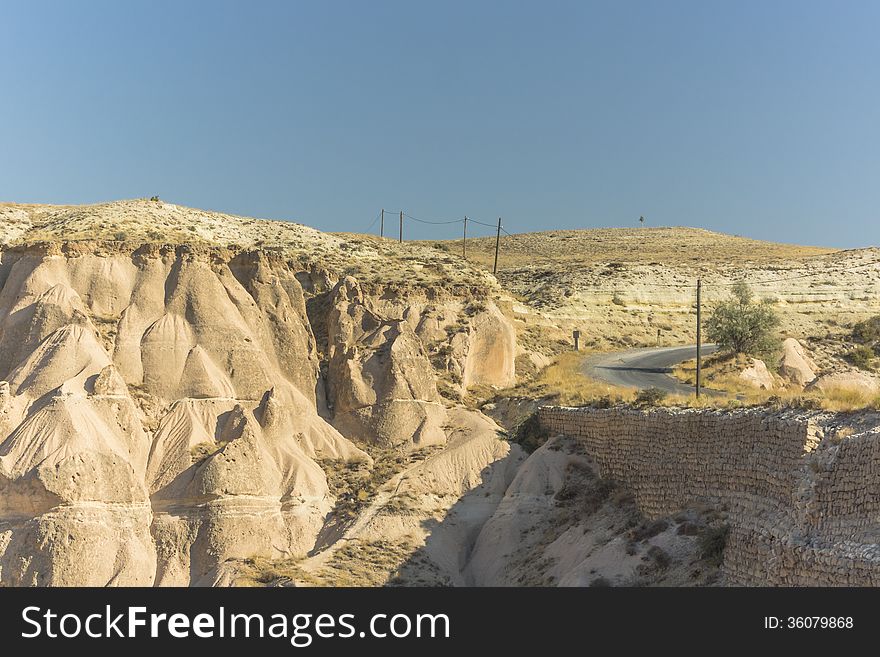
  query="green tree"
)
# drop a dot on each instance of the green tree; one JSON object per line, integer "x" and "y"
{"x": 743, "y": 325}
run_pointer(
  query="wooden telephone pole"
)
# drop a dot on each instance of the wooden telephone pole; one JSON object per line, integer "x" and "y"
{"x": 699, "y": 363}
{"x": 464, "y": 240}
{"x": 401, "y": 228}
{"x": 497, "y": 241}
{"x": 382, "y": 224}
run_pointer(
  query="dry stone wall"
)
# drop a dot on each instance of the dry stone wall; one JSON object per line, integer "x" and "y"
{"x": 803, "y": 509}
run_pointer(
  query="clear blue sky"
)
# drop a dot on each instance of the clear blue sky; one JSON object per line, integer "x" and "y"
{"x": 753, "y": 118}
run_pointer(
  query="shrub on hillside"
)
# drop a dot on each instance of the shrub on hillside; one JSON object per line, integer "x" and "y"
{"x": 712, "y": 543}
{"x": 861, "y": 357}
{"x": 867, "y": 331}
{"x": 529, "y": 433}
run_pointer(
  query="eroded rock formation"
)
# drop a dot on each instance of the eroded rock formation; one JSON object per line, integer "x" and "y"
{"x": 164, "y": 409}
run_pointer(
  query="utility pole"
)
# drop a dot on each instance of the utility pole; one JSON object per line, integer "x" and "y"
{"x": 401, "y": 227}
{"x": 464, "y": 240}
{"x": 497, "y": 240}
{"x": 382, "y": 224}
{"x": 699, "y": 362}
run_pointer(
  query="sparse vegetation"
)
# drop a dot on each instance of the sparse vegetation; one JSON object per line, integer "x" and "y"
{"x": 564, "y": 382}
{"x": 355, "y": 483}
{"x": 861, "y": 356}
{"x": 867, "y": 333}
{"x": 649, "y": 529}
{"x": 650, "y": 397}
{"x": 529, "y": 434}
{"x": 712, "y": 542}
{"x": 202, "y": 451}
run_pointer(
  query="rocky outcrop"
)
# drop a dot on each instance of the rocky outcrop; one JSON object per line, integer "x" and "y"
{"x": 214, "y": 352}
{"x": 845, "y": 380}
{"x": 164, "y": 410}
{"x": 758, "y": 376}
{"x": 380, "y": 382}
{"x": 796, "y": 366}
{"x": 237, "y": 494}
{"x": 487, "y": 350}
{"x": 473, "y": 342}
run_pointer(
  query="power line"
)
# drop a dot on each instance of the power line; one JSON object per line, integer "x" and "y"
{"x": 481, "y": 223}
{"x": 435, "y": 223}
{"x": 373, "y": 222}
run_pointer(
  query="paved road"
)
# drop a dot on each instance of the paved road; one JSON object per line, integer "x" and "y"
{"x": 645, "y": 368}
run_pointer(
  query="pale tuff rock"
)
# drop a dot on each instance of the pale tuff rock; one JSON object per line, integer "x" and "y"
{"x": 71, "y": 476}
{"x": 163, "y": 408}
{"x": 491, "y": 350}
{"x": 235, "y": 494}
{"x": 109, "y": 382}
{"x": 182, "y": 327}
{"x": 286, "y": 413}
{"x": 850, "y": 380}
{"x": 758, "y": 376}
{"x": 530, "y": 493}
{"x": 482, "y": 348}
{"x": 380, "y": 383}
{"x": 427, "y": 517}
{"x": 796, "y": 365}
{"x": 70, "y": 354}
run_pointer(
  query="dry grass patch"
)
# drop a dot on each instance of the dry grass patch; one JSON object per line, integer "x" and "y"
{"x": 565, "y": 382}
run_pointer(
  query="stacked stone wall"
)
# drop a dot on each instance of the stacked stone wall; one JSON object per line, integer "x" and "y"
{"x": 802, "y": 510}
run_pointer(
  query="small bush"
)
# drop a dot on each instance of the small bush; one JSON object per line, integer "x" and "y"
{"x": 529, "y": 433}
{"x": 650, "y": 397}
{"x": 868, "y": 331}
{"x": 861, "y": 357}
{"x": 660, "y": 557}
{"x": 602, "y": 402}
{"x": 154, "y": 199}
{"x": 712, "y": 543}
{"x": 649, "y": 530}
{"x": 474, "y": 307}
{"x": 688, "y": 528}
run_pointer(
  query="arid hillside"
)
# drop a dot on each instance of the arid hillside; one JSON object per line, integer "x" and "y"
{"x": 183, "y": 391}
{"x": 623, "y": 287}
{"x": 141, "y": 221}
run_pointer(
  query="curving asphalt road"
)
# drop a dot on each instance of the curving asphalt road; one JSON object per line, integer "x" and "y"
{"x": 645, "y": 368}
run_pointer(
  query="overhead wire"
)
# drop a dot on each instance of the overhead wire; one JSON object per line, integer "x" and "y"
{"x": 373, "y": 222}
{"x": 436, "y": 223}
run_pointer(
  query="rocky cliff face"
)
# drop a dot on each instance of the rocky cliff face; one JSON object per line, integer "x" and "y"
{"x": 164, "y": 409}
